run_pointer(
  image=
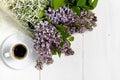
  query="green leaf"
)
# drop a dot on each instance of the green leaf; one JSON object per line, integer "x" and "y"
{"x": 51, "y": 3}
{"x": 47, "y": 18}
{"x": 40, "y": 13}
{"x": 62, "y": 31}
{"x": 76, "y": 9}
{"x": 71, "y": 38}
{"x": 94, "y": 4}
{"x": 54, "y": 53}
{"x": 81, "y": 2}
{"x": 85, "y": 7}
{"x": 91, "y": 5}
{"x": 90, "y": 2}
{"x": 72, "y": 1}
{"x": 69, "y": 1}
{"x": 57, "y": 3}
{"x": 59, "y": 54}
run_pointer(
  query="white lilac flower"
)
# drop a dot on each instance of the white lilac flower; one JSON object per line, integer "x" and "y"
{"x": 29, "y": 12}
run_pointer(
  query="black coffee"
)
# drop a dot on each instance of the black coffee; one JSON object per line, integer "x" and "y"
{"x": 19, "y": 51}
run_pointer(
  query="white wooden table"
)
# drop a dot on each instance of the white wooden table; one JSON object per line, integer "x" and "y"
{"x": 97, "y": 53}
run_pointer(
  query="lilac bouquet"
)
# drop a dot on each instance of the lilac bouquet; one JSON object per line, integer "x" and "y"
{"x": 52, "y": 24}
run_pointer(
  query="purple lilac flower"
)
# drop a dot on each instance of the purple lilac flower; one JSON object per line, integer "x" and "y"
{"x": 63, "y": 15}
{"x": 87, "y": 21}
{"x": 48, "y": 39}
{"x": 44, "y": 59}
{"x": 74, "y": 23}
{"x": 67, "y": 50}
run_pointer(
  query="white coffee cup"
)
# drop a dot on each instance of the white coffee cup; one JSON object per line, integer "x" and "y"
{"x": 16, "y": 44}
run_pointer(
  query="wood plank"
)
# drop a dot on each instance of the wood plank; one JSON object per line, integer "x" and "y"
{"x": 114, "y": 42}
{"x": 96, "y": 46}
{"x": 29, "y": 73}
{"x": 66, "y": 68}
